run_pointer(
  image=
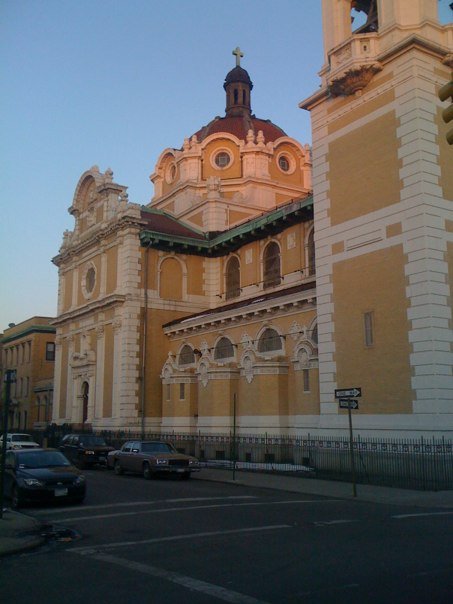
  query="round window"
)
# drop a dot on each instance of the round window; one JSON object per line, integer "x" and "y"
{"x": 222, "y": 159}
{"x": 283, "y": 163}
{"x": 90, "y": 279}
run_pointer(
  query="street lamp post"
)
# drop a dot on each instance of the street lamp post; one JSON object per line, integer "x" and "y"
{"x": 10, "y": 378}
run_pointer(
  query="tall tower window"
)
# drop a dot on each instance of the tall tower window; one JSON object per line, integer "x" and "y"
{"x": 368, "y": 326}
{"x": 271, "y": 265}
{"x": 233, "y": 278}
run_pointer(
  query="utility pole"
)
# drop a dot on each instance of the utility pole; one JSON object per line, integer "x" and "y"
{"x": 9, "y": 378}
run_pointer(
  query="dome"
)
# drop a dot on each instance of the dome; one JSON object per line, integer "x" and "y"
{"x": 238, "y": 74}
{"x": 238, "y": 118}
{"x": 239, "y": 127}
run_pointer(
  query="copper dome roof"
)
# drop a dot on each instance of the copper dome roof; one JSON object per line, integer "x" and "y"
{"x": 239, "y": 126}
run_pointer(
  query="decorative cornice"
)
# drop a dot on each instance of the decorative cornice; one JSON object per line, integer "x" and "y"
{"x": 96, "y": 305}
{"x": 354, "y": 80}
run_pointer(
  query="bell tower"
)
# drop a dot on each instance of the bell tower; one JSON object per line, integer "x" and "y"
{"x": 383, "y": 200}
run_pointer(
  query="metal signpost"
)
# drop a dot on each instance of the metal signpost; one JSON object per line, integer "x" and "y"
{"x": 9, "y": 378}
{"x": 346, "y": 402}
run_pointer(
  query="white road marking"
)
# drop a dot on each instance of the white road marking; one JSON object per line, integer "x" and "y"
{"x": 65, "y": 510}
{"x": 422, "y": 514}
{"x": 227, "y": 595}
{"x": 184, "y": 509}
{"x": 89, "y": 550}
{"x": 328, "y": 522}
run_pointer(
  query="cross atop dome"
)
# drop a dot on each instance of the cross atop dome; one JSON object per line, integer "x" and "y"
{"x": 239, "y": 54}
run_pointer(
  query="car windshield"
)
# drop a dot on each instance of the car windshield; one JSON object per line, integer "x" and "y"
{"x": 157, "y": 448}
{"x": 41, "y": 459}
{"x": 92, "y": 441}
{"x": 21, "y": 438}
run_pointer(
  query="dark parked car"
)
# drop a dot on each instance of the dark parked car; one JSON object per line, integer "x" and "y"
{"x": 85, "y": 449}
{"x": 151, "y": 458}
{"x": 41, "y": 475}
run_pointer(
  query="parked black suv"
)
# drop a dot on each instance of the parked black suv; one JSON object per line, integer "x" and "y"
{"x": 85, "y": 449}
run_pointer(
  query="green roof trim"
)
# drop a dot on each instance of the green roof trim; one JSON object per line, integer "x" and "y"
{"x": 213, "y": 244}
{"x": 28, "y": 331}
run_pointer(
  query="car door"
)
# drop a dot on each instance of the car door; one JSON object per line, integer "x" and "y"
{"x": 68, "y": 450}
{"x": 136, "y": 457}
{"x": 124, "y": 456}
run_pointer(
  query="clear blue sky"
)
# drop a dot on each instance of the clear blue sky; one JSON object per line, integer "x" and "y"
{"x": 113, "y": 83}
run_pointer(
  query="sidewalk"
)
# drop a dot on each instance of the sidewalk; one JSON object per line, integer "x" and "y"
{"x": 19, "y": 532}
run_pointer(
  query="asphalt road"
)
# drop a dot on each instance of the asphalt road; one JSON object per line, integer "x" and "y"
{"x": 199, "y": 542}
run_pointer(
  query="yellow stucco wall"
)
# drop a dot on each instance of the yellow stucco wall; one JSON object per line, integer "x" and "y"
{"x": 357, "y": 160}
{"x": 67, "y": 298}
{"x": 365, "y": 284}
{"x": 171, "y": 279}
{"x": 195, "y": 275}
{"x": 294, "y": 175}
{"x": 112, "y": 269}
{"x": 63, "y": 378}
{"x": 108, "y": 371}
{"x": 234, "y": 170}
{"x": 156, "y": 355}
{"x": 363, "y": 111}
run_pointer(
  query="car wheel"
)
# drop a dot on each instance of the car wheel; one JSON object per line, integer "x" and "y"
{"x": 185, "y": 476}
{"x": 118, "y": 469}
{"x": 147, "y": 472}
{"x": 16, "y": 500}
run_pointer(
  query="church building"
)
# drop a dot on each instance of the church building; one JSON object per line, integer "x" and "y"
{"x": 201, "y": 305}
{"x": 243, "y": 293}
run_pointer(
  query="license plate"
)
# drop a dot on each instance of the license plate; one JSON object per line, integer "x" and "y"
{"x": 61, "y": 492}
{"x": 180, "y": 470}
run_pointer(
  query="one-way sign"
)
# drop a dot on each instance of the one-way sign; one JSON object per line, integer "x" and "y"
{"x": 348, "y": 403}
{"x": 348, "y": 392}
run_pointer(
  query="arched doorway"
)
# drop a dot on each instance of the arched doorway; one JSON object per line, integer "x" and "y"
{"x": 85, "y": 391}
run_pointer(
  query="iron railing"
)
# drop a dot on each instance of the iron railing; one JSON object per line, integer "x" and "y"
{"x": 417, "y": 463}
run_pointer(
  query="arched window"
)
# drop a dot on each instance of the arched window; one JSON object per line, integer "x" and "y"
{"x": 311, "y": 253}
{"x": 224, "y": 349}
{"x": 314, "y": 334}
{"x": 233, "y": 278}
{"x": 269, "y": 341}
{"x": 271, "y": 265}
{"x": 186, "y": 356}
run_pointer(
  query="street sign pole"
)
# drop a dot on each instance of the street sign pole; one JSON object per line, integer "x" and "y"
{"x": 351, "y": 449}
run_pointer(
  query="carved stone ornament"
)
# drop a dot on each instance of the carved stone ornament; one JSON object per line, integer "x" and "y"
{"x": 203, "y": 371}
{"x": 354, "y": 80}
{"x": 247, "y": 368}
{"x": 448, "y": 60}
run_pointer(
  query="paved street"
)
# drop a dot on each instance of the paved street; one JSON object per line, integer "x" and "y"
{"x": 199, "y": 542}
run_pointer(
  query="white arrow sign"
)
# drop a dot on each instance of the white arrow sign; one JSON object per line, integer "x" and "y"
{"x": 348, "y": 392}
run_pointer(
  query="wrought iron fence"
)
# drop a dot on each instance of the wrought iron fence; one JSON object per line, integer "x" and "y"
{"x": 424, "y": 464}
